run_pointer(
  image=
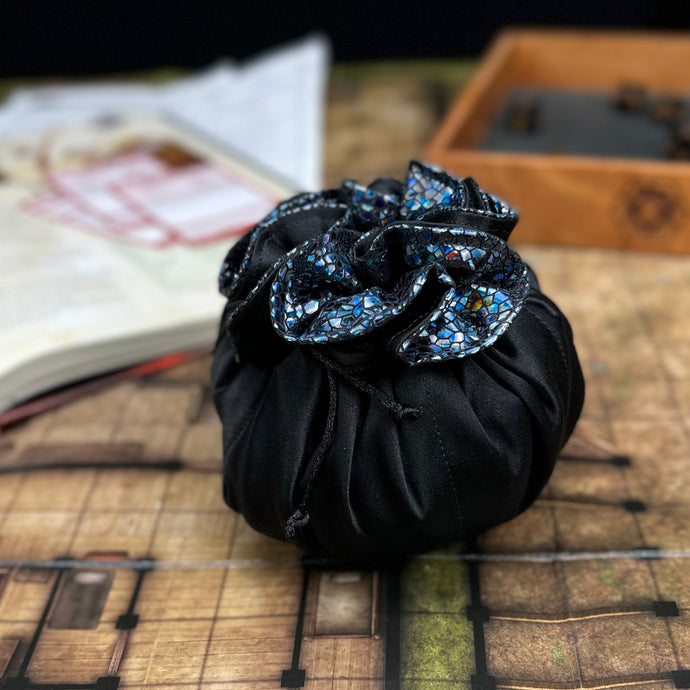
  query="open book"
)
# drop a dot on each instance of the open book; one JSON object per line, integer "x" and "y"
{"x": 112, "y": 233}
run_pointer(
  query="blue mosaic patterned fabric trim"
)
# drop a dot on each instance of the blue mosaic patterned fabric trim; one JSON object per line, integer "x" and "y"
{"x": 370, "y": 268}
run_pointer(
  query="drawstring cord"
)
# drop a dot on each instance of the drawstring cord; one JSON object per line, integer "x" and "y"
{"x": 300, "y": 517}
{"x": 398, "y": 410}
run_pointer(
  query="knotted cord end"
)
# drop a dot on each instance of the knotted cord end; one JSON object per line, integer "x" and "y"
{"x": 296, "y": 520}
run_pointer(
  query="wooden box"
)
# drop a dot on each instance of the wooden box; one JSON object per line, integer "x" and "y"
{"x": 575, "y": 199}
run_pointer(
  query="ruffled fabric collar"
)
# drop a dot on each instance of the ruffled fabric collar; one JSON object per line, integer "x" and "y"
{"x": 419, "y": 268}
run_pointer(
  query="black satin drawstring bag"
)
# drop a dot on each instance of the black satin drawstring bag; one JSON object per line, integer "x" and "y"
{"x": 388, "y": 374}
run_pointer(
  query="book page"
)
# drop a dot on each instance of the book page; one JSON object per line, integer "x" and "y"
{"x": 122, "y": 241}
{"x": 268, "y": 110}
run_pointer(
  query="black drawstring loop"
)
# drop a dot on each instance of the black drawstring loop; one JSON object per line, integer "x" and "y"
{"x": 398, "y": 410}
{"x": 300, "y": 517}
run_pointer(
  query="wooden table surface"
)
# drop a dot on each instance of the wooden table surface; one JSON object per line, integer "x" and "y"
{"x": 127, "y": 570}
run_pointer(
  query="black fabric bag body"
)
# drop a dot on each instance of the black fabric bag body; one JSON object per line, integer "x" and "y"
{"x": 388, "y": 374}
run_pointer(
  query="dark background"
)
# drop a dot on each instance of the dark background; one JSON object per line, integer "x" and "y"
{"x": 63, "y": 37}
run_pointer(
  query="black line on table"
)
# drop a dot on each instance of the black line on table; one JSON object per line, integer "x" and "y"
{"x": 392, "y": 673}
{"x": 40, "y": 625}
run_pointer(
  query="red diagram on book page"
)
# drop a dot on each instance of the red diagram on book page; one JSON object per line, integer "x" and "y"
{"x": 196, "y": 204}
{"x": 140, "y": 198}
